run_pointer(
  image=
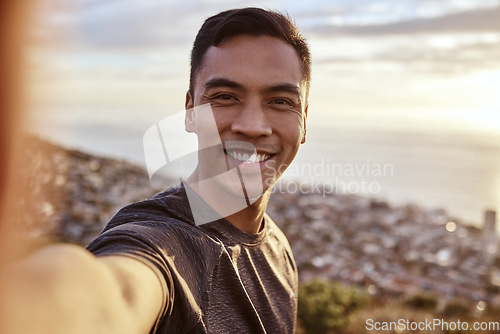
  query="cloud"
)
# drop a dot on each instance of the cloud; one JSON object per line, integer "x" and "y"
{"x": 479, "y": 20}
{"x": 122, "y": 24}
{"x": 154, "y": 23}
{"x": 452, "y": 44}
{"x": 117, "y": 36}
{"x": 434, "y": 54}
{"x": 458, "y": 60}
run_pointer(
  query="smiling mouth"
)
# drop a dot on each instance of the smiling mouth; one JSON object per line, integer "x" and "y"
{"x": 246, "y": 157}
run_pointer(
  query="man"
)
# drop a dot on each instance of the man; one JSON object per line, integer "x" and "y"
{"x": 202, "y": 257}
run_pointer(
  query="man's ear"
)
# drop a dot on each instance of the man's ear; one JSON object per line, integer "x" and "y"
{"x": 190, "y": 120}
{"x": 305, "y": 125}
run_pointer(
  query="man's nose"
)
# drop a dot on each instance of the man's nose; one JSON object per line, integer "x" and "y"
{"x": 252, "y": 121}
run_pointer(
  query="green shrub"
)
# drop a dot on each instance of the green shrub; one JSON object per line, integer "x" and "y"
{"x": 424, "y": 301}
{"x": 457, "y": 309}
{"x": 326, "y": 306}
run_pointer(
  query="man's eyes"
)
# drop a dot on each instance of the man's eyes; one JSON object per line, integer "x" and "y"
{"x": 281, "y": 101}
{"x": 224, "y": 97}
{"x": 278, "y": 102}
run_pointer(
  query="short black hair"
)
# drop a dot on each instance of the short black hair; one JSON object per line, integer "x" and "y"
{"x": 248, "y": 21}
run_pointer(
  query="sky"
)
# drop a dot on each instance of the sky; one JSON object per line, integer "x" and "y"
{"x": 375, "y": 62}
{"x": 411, "y": 83}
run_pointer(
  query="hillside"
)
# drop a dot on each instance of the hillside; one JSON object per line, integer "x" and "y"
{"x": 390, "y": 251}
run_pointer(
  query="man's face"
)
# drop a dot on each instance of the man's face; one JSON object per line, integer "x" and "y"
{"x": 255, "y": 90}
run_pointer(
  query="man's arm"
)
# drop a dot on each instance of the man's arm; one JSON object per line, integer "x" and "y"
{"x": 66, "y": 289}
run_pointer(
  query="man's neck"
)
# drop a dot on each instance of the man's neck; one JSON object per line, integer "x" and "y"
{"x": 249, "y": 220}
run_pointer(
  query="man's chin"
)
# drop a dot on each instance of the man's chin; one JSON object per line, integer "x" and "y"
{"x": 251, "y": 191}
{"x": 234, "y": 190}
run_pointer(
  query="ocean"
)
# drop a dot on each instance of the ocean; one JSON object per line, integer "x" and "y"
{"x": 457, "y": 172}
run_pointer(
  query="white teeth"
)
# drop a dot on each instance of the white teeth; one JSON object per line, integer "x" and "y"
{"x": 262, "y": 157}
{"x": 253, "y": 158}
{"x": 245, "y": 157}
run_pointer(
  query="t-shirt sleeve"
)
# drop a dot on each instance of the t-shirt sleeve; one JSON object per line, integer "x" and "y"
{"x": 139, "y": 241}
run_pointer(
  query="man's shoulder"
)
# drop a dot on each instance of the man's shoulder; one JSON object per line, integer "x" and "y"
{"x": 164, "y": 218}
{"x": 272, "y": 227}
{"x": 275, "y": 233}
{"x": 168, "y": 207}
{"x": 162, "y": 223}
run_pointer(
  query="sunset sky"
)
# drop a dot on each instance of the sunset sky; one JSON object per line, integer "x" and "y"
{"x": 411, "y": 83}
{"x": 420, "y": 63}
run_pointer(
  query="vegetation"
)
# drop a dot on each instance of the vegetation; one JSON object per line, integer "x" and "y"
{"x": 424, "y": 302}
{"x": 333, "y": 308}
{"x": 457, "y": 309}
{"x": 325, "y": 306}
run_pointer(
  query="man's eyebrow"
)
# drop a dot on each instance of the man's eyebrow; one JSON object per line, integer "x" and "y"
{"x": 284, "y": 87}
{"x": 279, "y": 87}
{"x": 221, "y": 82}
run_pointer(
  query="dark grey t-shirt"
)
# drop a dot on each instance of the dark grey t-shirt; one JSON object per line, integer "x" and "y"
{"x": 216, "y": 278}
